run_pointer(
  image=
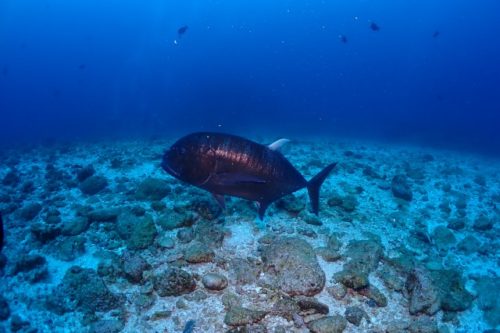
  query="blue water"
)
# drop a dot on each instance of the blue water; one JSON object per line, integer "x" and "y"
{"x": 95, "y": 69}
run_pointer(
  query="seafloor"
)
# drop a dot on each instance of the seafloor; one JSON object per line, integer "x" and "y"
{"x": 100, "y": 239}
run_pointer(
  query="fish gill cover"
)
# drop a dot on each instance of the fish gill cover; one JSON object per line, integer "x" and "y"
{"x": 96, "y": 236}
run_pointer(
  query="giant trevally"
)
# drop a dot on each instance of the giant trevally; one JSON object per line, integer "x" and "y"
{"x": 225, "y": 164}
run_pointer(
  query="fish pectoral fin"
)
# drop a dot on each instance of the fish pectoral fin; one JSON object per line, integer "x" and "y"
{"x": 220, "y": 200}
{"x": 276, "y": 145}
{"x": 262, "y": 205}
{"x": 227, "y": 179}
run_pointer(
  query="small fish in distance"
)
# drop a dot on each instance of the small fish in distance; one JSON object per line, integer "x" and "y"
{"x": 225, "y": 164}
{"x": 374, "y": 26}
{"x": 343, "y": 39}
{"x": 182, "y": 30}
{"x": 436, "y": 34}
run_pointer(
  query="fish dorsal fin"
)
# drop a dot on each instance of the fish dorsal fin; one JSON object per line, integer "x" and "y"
{"x": 276, "y": 145}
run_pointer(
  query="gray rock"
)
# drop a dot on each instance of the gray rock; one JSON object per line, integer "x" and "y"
{"x": 185, "y": 235}
{"x": 206, "y": 209}
{"x": 93, "y": 185}
{"x": 329, "y": 324}
{"x": 198, "y": 253}
{"x": 483, "y": 223}
{"x": 30, "y": 211}
{"x": 469, "y": 245}
{"x": 292, "y": 263}
{"x": 152, "y": 189}
{"x": 400, "y": 188}
{"x": 69, "y": 248}
{"x": 376, "y": 297}
{"x": 240, "y": 316}
{"x": 173, "y": 220}
{"x": 33, "y": 267}
{"x": 139, "y": 232}
{"x": 85, "y": 173}
{"x": 337, "y": 291}
{"x": 292, "y": 204}
{"x": 423, "y": 325}
{"x": 133, "y": 266}
{"x": 424, "y": 296}
{"x": 75, "y": 226}
{"x": 354, "y": 315}
{"x": 44, "y": 232}
{"x": 488, "y": 300}
{"x": 452, "y": 293}
{"x": 456, "y": 224}
{"x": 173, "y": 282}
{"x": 104, "y": 215}
{"x": 213, "y": 281}
{"x": 443, "y": 238}
{"x": 107, "y": 326}
{"x": 82, "y": 290}
{"x": 244, "y": 271}
{"x": 364, "y": 256}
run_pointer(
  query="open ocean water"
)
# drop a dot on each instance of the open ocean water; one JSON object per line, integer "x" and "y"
{"x": 102, "y": 229}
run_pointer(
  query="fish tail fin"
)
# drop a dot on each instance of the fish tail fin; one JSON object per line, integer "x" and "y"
{"x": 314, "y": 185}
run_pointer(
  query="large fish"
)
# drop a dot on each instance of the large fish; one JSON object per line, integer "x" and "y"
{"x": 226, "y": 164}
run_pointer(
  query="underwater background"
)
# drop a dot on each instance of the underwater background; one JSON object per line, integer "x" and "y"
{"x": 403, "y": 95}
{"x": 120, "y": 68}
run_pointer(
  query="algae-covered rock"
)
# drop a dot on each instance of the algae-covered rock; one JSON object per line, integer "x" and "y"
{"x": 173, "y": 220}
{"x": 139, "y": 232}
{"x": 292, "y": 204}
{"x": 152, "y": 189}
{"x": 32, "y": 267}
{"x": 85, "y": 172}
{"x": 75, "y": 226}
{"x": 423, "y": 325}
{"x": 329, "y": 324}
{"x": 198, "y": 253}
{"x": 364, "y": 256}
{"x": 240, "y": 316}
{"x": 173, "y": 282}
{"x": 488, "y": 301}
{"x": 354, "y": 315}
{"x": 469, "y": 245}
{"x": 443, "y": 238}
{"x": 451, "y": 289}
{"x": 69, "y": 248}
{"x": 424, "y": 296}
{"x": 244, "y": 271}
{"x": 400, "y": 188}
{"x": 133, "y": 266}
{"x": 293, "y": 265}
{"x": 82, "y": 290}
{"x": 93, "y": 185}
{"x": 30, "y": 211}
{"x": 44, "y": 232}
{"x": 483, "y": 223}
